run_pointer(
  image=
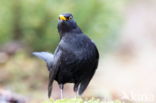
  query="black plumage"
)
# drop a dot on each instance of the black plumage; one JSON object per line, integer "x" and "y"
{"x": 75, "y": 59}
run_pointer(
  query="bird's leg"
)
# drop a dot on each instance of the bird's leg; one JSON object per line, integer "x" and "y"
{"x": 61, "y": 88}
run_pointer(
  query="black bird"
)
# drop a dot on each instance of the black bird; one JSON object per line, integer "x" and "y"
{"x": 75, "y": 59}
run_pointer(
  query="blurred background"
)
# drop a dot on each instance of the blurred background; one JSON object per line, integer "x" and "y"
{"x": 123, "y": 30}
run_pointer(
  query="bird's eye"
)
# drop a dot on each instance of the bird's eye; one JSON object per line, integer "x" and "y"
{"x": 70, "y": 17}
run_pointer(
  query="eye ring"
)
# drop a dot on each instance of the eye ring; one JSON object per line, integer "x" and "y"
{"x": 70, "y": 17}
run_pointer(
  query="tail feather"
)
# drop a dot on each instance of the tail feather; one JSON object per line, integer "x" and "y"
{"x": 47, "y": 57}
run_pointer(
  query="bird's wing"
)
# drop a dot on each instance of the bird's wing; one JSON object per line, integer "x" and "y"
{"x": 54, "y": 69}
{"x": 84, "y": 83}
{"x": 50, "y": 84}
{"x": 92, "y": 64}
{"x": 53, "y": 62}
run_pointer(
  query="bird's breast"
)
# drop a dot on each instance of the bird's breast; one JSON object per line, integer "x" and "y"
{"x": 78, "y": 45}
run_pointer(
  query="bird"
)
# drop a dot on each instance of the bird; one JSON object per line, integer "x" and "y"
{"x": 75, "y": 59}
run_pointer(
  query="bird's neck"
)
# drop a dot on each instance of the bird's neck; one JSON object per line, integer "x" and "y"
{"x": 66, "y": 31}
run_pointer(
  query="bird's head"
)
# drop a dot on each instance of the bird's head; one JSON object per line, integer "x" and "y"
{"x": 67, "y": 24}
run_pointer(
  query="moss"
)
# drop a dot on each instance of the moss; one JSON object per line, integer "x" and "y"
{"x": 73, "y": 100}
{"x": 79, "y": 100}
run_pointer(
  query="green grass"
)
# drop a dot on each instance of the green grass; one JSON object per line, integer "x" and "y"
{"x": 73, "y": 100}
{"x": 78, "y": 100}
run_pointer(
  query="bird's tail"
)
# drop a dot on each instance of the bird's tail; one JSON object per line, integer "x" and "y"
{"x": 47, "y": 57}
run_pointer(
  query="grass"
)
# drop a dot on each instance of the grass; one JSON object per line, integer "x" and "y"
{"x": 73, "y": 100}
{"x": 79, "y": 100}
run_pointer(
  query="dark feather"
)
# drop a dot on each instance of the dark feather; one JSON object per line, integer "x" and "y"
{"x": 76, "y": 58}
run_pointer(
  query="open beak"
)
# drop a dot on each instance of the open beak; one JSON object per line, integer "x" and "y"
{"x": 61, "y": 17}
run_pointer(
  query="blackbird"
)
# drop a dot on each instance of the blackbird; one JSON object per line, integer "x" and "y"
{"x": 75, "y": 59}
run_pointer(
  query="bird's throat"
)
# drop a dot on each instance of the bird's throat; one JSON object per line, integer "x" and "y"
{"x": 65, "y": 29}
